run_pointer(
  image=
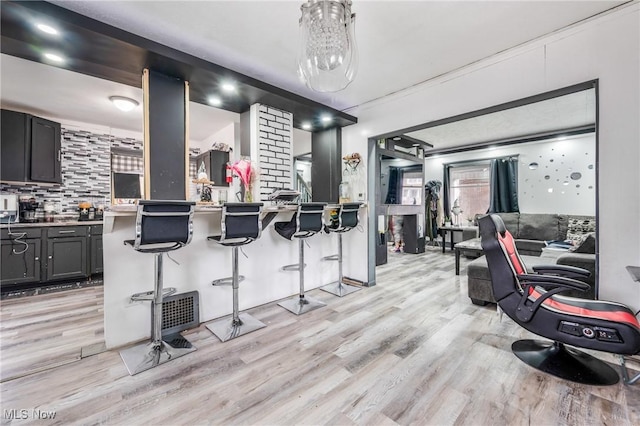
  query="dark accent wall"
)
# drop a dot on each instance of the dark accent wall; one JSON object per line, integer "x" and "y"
{"x": 326, "y": 172}
{"x": 167, "y": 145}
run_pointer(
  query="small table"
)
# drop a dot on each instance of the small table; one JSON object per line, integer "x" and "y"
{"x": 474, "y": 246}
{"x": 453, "y": 229}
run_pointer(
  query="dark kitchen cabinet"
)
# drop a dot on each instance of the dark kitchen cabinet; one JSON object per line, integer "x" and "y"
{"x": 50, "y": 253}
{"x": 95, "y": 264}
{"x": 67, "y": 253}
{"x": 13, "y": 148}
{"x": 46, "y": 153}
{"x": 20, "y": 256}
{"x": 30, "y": 148}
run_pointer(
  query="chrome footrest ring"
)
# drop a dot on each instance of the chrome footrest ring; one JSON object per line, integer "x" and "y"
{"x": 332, "y": 257}
{"x": 227, "y": 280}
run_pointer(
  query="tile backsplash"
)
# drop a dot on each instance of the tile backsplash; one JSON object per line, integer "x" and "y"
{"x": 85, "y": 168}
{"x": 85, "y": 171}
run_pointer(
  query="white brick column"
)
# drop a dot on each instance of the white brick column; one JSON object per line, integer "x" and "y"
{"x": 274, "y": 151}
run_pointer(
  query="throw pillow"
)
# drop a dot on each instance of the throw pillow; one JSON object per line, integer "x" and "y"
{"x": 578, "y": 227}
{"x": 587, "y": 244}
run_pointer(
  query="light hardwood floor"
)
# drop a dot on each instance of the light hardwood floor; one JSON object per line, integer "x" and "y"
{"x": 412, "y": 350}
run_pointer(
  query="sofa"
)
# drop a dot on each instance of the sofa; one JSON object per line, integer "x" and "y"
{"x": 534, "y": 234}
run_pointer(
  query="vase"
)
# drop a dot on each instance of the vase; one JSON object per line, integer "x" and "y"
{"x": 248, "y": 196}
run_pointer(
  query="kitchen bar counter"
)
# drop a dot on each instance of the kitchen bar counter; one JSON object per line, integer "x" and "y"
{"x": 127, "y": 272}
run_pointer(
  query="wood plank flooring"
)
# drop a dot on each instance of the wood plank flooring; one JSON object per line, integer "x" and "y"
{"x": 412, "y": 350}
{"x": 39, "y": 332}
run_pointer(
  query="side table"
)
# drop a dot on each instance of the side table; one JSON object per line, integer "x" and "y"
{"x": 472, "y": 246}
{"x": 453, "y": 229}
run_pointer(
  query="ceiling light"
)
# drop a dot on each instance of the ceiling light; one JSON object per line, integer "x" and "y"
{"x": 54, "y": 57}
{"x": 306, "y": 126}
{"x": 326, "y": 118}
{"x": 47, "y": 29}
{"x": 328, "y": 56}
{"x": 228, "y": 87}
{"x": 214, "y": 101}
{"x": 397, "y": 138}
{"x": 123, "y": 104}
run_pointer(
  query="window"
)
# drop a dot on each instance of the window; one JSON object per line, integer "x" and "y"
{"x": 412, "y": 188}
{"x": 469, "y": 184}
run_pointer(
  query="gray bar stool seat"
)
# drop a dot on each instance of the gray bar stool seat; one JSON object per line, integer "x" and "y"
{"x": 308, "y": 222}
{"x": 240, "y": 225}
{"x": 161, "y": 226}
{"x": 346, "y": 220}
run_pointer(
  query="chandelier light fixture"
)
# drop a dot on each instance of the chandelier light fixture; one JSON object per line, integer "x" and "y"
{"x": 328, "y": 57}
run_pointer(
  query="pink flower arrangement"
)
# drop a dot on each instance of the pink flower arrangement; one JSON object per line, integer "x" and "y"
{"x": 248, "y": 174}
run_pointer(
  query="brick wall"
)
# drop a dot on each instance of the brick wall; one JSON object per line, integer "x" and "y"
{"x": 274, "y": 149}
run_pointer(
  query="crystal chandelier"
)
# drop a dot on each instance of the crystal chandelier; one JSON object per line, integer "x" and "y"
{"x": 328, "y": 57}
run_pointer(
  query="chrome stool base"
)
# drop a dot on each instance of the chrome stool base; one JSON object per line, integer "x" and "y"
{"x": 340, "y": 289}
{"x": 300, "y": 305}
{"x": 145, "y": 356}
{"x": 225, "y": 329}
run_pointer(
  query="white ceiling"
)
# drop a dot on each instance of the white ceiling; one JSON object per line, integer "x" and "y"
{"x": 401, "y": 44}
{"x": 561, "y": 113}
{"x": 65, "y": 96}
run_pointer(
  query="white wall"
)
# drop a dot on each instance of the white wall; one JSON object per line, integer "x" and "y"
{"x": 605, "y": 48}
{"x": 224, "y": 135}
{"x": 301, "y": 142}
{"x": 557, "y": 159}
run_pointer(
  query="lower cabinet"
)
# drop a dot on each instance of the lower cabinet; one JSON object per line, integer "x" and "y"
{"x": 67, "y": 258}
{"x": 20, "y": 260}
{"x": 96, "y": 250}
{"x": 41, "y": 254}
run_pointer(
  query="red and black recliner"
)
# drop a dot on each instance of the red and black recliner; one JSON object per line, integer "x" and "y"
{"x": 534, "y": 301}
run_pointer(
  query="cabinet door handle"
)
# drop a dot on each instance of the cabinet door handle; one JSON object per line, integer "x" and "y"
{"x": 59, "y": 155}
{"x": 66, "y": 232}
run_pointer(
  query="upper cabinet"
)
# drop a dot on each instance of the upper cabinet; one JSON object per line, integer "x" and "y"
{"x": 30, "y": 149}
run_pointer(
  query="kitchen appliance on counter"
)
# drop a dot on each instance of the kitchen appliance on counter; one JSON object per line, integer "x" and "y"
{"x": 86, "y": 211}
{"x": 8, "y": 208}
{"x": 28, "y": 206}
{"x": 49, "y": 211}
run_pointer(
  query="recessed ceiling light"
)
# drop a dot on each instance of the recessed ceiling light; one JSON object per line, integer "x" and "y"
{"x": 123, "y": 103}
{"x": 54, "y": 57}
{"x": 47, "y": 29}
{"x": 214, "y": 101}
{"x": 326, "y": 118}
{"x": 228, "y": 87}
{"x": 306, "y": 126}
{"x": 550, "y": 190}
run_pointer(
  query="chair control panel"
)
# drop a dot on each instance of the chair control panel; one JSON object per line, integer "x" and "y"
{"x": 599, "y": 333}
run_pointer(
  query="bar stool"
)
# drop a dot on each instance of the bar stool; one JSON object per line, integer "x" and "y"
{"x": 241, "y": 224}
{"x": 308, "y": 222}
{"x": 161, "y": 226}
{"x": 346, "y": 220}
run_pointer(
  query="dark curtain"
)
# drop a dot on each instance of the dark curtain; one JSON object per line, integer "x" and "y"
{"x": 394, "y": 190}
{"x": 504, "y": 186}
{"x": 445, "y": 193}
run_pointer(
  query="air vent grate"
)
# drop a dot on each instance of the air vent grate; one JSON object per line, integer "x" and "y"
{"x": 180, "y": 312}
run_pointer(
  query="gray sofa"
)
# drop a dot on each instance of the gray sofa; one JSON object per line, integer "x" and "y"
{"x": 531, "y": 232}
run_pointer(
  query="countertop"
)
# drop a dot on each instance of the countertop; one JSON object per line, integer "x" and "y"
{"x": 48, "y": 224}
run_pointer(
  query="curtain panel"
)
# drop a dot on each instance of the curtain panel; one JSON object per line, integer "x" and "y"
{"x": 504, "y": 185}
